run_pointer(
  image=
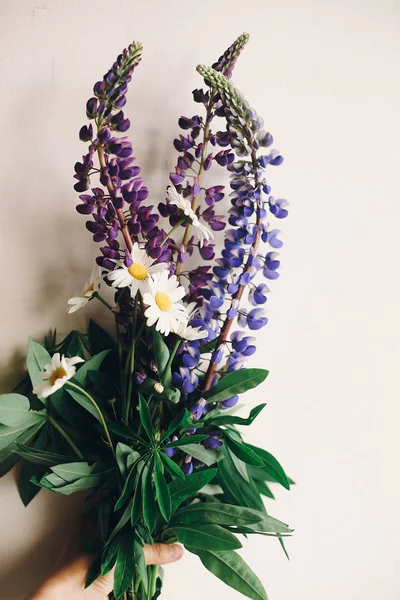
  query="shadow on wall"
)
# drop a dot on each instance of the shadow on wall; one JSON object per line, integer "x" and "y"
{"x": 37, "y": 539}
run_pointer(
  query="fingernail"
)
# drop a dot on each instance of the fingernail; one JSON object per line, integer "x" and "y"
{"x": 176, "y": 551}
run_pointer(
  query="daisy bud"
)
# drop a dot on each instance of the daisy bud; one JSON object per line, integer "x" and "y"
{"x": 158, "y": 388}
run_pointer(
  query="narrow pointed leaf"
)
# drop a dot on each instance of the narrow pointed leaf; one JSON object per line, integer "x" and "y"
{"x": 234, "y": 383}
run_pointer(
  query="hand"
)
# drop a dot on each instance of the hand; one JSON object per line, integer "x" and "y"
{"x": 68, "y": 582}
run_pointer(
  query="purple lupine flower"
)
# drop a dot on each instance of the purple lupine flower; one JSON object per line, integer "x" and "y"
{"x": 212, "y": 443}
{"x": 197, "y": 409}
{"x": 230, "y": 402}
{"x": 187, "y": 465}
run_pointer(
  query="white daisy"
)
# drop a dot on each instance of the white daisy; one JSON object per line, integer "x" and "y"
{"x": 187, "y": 332}
{"x": 138, "y": 275}
{"x": 56, "y": 374}
{"x": 90, "y": 288}
{"x": 203, "y": 232}
{"x": 163, "y": 301}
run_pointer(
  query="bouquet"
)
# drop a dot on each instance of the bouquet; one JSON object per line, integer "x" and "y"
{"x": 142, "y": 418}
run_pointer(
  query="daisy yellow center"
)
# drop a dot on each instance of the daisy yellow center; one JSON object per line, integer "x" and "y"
{"x": 163, "y": 301}
{"x": 138, "y": 271}
{"x": 90, "y": 289}
{"x": 58, "y": 373}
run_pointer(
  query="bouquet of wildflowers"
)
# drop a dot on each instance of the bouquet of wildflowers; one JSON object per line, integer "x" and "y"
{"x": 142, "y": 419}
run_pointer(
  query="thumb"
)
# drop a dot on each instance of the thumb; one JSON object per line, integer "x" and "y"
{"x": 162, "y": 554}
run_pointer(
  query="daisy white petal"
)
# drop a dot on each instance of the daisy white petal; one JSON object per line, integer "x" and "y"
{"x": 163, "y": 307}
{"x": 136, "y": 276}
{"x": 90, "y": 288}
{"x": 56, "y": 374}
{"x": 202, "y": 231}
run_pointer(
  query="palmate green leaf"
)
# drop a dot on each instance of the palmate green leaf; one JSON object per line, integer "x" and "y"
{"x": 161, "y": 355}
{"x": 218, "y": 513}
{"x": 181, "y": 490}
{"x": 172, "y": 467}
{"x": 73, "y": 471}
{"x": 145, "y": 417}
{"x": 103, "y": 385}
{"x": 99, "y": 339}
{"x": 149, "y": 501}
{"x": 181, "y": 418}
{"x": 140, "y": 564}
{"x": 8, "y": 435}
{"x": 236, "y": 489}
{"x": 242, "y": 451}
{"x": 126, "y": 457}
{"x": 272, "y": 467}
{"x": 93, "y": 364}
{"x": 27, "y": 490}
{"x": 8, "y": 457}
{"x": 36, "y": 360}
{"x": 162, "y": 491}
{"x": 14, "y": 411}
{"x": 124, "y": 566}
{"x": 208, "y": 457}
{"x": 190, "y": 439}
{"x": 203, "y": 536}
{"x": 234, "y": 383}
{"x": 41, "y": 457}
{"x": 81, "y": 399}
{"x": 232, "y": 570}
{"x": 124, "y": 432}
{"x": 234, "y": 420}
{"x": 129, "y": 484}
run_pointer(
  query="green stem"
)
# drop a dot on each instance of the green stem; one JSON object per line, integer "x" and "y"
{"x": 153, "y": 569}
{"x": 94, "y": 403}
{"x": 66, "y": 437}
{"x": 102, "y": 300}
{"x": 170, "y": 359}
{"x": 179, "y": 223}
{"x": 131, "y": 365}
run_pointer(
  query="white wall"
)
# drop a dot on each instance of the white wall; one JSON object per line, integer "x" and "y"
{"x": 325, "y": 75}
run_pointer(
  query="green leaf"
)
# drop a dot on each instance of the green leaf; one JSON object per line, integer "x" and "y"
{"x": 161, "y": 355}
{"x": 282, "y": 543}
{"x": 234, "y": 383}
{"x": 8, "y": 457}
{"x": 242, "y": 451}
{"x": 232, "y": 570}
{"x": 99, "y": 339}
{"x": 181, "y": 490}
{"x": 126, "y": 457}
{"x": 93, "y": 364}
{"x": 209, "y": 346}
{"x": 208, "y": 457}
{"x": 128, "y": 485}
{"x": 172, "y": 467}
{"x": 205, "y": 535}
{"x": 14, "y": 411}
{"x": 73, "y": 471}
{"x": 237, "y": 490}
{"x": 234, "y": 420}
{"x": 124, "y": 432}
{"x": 124, "y": 566}
{"x": 136, "y": 510}
{"x": 176, "y": 423}
{"x": 189, "y": 439}
{"x": 218, "y": 513}
{"x": 27, "y": 490}
{"x": 271, "y": 467}
{"x": 94, "y": 572}
{"x": 81, "y": 399}
{"x": 41, "y": 457}
{"x": 148, "y": 504}
{"x": 171, "y": 394}
{"x": 9, "y": 434}
{"x": 103, "y": 385}
{"x": 36, "y": 360}
{"x": 162, "y": 491}
{"x": 145, "y": 417}
{"x": 267, "y": 524}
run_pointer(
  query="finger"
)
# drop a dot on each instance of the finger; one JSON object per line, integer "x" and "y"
{"x": 162, "y": 554}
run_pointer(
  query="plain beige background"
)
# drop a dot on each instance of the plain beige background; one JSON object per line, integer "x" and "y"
{"x": 325, "y": 76}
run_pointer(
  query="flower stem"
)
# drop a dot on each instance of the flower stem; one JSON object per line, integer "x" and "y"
{"x": 102, "y": 300}
{"x": 179, "y": 223}
{"x": 223, "y": 336}
{"x": 199, "y": 175}
{"x": 119, "y": 213}
{"x": 96, "y": 406}
{"x": 170, "y": 359}
{"x": 66, "y": 437}
{"x": 153, "y": 569}
{"x": 131, "y": 365}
